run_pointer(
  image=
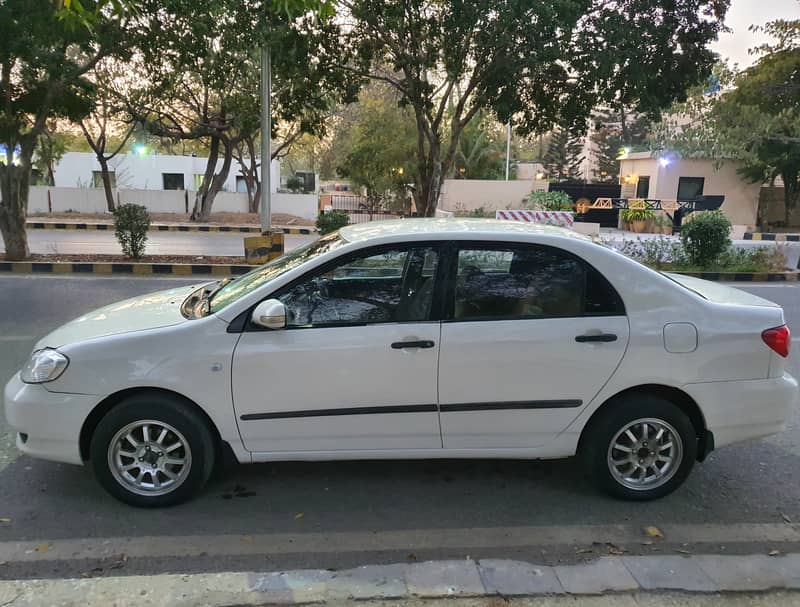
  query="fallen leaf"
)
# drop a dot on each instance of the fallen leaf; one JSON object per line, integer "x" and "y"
{"x": 653, "y": 532}
{"x": 785, "y": 517}
{"x": 647, "y": 543}
{"x": 683, "y": 551}
{"x": 299, "y": 515}
{"x": 412, "y": 557}
{"x": 584, "y": 551}
{"x": 775, "y": 553}
{"x": 4, "y": 519}
{"x": 43, "y": 547}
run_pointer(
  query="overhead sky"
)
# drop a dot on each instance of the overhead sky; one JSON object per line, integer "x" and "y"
{"x": 744, "y": 13}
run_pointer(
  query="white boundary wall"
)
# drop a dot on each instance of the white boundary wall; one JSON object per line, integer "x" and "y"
{"x": 93, "y": 200}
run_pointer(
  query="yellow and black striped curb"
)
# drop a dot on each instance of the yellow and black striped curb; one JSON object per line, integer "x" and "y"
{"x": 121, "y": 268}
{"x": 166, "y": 227}
{"x": 772, "y": 236}
{"x": 744, "y": 276}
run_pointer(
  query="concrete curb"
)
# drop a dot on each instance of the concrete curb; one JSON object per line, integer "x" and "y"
{"x": 430, "y": 580}
{"x": 119, "y": 268}
{"x": 744, "y": 276}
{"x": 165, "y": 227}
{"x": 772, "y": 236}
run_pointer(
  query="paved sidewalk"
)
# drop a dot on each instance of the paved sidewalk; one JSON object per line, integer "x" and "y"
{"x": 426, "y": 580}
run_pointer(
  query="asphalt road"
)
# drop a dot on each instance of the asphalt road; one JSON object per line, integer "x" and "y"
{"x": 158, "y": 243}
{"x": 744, "y": 498}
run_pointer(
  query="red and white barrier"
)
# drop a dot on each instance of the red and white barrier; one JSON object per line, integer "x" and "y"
{"x": 556, "y": 218}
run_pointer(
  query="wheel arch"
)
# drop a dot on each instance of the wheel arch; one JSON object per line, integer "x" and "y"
{"x": 672, "y": 394}
{"x": 111, "y": 401}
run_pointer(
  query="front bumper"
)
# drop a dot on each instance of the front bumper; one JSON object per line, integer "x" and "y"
{"x": 52, "y": 421}
{"x": 741, "y": 410}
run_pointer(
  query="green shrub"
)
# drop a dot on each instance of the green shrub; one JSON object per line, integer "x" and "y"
{"x": 131, "y": 222}
{"x": 550, "y": 201}
{"x": 706, "y": 237}
{"x": 636, "y": 214}
{"x": 332, "y": 221}
{"x": 295, "y": 184}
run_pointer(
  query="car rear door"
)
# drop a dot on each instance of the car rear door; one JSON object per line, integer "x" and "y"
{"x": 531, "y": 335}
{"x": 355, "y": 369}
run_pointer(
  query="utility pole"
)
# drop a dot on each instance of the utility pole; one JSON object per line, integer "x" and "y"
{"x": 266, "y": 144}
{"x": 508, "y": 149}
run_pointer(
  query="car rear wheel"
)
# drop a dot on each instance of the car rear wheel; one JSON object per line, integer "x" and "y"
{"x": 642, "y": 447}
{"x": 152, "y": 450}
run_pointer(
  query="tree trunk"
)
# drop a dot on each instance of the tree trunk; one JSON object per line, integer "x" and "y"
{"x": 106, "y": 177}
{"x": 202, "y": 193}
{"x": 791, "y": 195}
{"x": 213, "y": 186}
{"x": 14, "y": 186}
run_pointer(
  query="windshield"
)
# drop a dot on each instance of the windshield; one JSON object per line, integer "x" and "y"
{"x": 263, "y": 274}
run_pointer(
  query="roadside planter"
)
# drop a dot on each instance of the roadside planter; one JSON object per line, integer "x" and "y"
{"x": 564, "y": 219}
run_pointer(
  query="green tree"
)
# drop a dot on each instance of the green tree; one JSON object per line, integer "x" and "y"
{"x": 616, "y": 130}
{"x": 755, "y": 118}
{"x": 50, "y": 149}
{"x": 46, "y": 49}
{"x": 201, "y": 58}
{"x": 564, "y": 156}
{"x": 481, "y": 150}
{"x": 378, "y": 144}
{"x": 542, "y": 63}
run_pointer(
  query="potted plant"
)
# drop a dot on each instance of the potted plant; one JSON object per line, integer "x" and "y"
{"x": 637, "y": 218}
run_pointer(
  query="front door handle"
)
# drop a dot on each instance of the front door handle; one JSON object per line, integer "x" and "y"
{"x": 603, "y": 337}
{"x": 422, "y": 343}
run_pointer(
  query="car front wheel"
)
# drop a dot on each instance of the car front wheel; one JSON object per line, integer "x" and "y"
{"x": 641, "y": 447}
{"x": 152, "y": 450}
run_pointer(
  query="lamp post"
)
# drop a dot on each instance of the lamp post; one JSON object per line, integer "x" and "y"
{"x": 508, "y": 148}
{"x": 266, "y": 144}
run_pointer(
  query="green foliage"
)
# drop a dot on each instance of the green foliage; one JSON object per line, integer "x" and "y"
{"x": 131, "y": 222}
{"x": 756, "y": 120}
{"x": 332, "y": 221}
{"x": 373, "y": 147}
{"x": 481, "y": 150}
{"x": 542, "y": 63}
{"x": 564, "y": 156}
{"x": 630, "y": 215}
{"x": 706, "y": 236}
{"x": 614, "y": 131}
{"x": 294, "y": 184}
{"x": 550, "y": 201}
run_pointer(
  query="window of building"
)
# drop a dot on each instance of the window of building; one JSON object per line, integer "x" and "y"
{"x": 97, "y": 179}
{"x": 390, "y": 286}
{"x": 643, "y": 187}
{"x": 690, "y": 188}
{"x": 529, "y": 282}
{"x": 173, "y": 181}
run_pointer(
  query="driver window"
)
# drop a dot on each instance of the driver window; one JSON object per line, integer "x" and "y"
{"x": 391, "y": 286}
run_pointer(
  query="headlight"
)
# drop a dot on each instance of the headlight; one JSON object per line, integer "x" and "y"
{"x": 43, "y": 366}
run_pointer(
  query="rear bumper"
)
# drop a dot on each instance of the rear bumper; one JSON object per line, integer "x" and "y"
{"x": 51, "y": 421}
{"x": 741, "y": 410}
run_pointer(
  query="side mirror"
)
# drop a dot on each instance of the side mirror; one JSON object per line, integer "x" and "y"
{"x": 270, "y": 314}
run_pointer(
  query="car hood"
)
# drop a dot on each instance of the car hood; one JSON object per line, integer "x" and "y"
{"x": 150, "y": 311}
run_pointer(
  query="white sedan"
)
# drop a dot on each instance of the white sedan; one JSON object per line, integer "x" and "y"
{"x": 411, "y": 339}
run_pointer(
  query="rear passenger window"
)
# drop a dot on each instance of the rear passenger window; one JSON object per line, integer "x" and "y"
{"x": 529, "y": 282}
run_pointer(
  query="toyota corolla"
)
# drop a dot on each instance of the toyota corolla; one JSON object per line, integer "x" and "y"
{"x": 411, "y": 339}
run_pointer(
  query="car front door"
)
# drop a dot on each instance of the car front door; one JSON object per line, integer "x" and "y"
{"x": 531, "y": 335}
{"x": 356, "y": 367}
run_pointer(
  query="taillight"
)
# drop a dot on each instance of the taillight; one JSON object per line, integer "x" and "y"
{"x": 778, "y": 339}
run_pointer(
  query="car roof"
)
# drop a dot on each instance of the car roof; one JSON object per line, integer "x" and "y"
{"x": 451, "y": 227}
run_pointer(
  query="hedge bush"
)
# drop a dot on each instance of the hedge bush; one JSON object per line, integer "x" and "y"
{"x": 705, "y": 237}
{"x": 332, "y": 221}
{"x": 550, "y": 201}
{"x": 131, "y": 222}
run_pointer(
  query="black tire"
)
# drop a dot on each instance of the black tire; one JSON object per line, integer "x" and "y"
{"x": 616, "y": 416}
{"x": 160, "y": 408}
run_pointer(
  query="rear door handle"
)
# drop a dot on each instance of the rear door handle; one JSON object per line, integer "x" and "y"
{"x": 604, "y": 337}
{"x": 422, "y": 343}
